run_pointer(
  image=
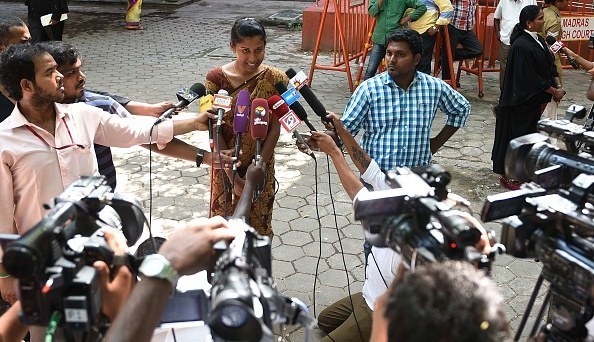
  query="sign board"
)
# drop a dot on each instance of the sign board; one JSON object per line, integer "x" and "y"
{"x": 577, "y": 28}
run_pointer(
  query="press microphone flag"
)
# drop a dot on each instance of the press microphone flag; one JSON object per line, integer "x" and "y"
{"x": 296, "y": 106}
{"x": 222, "y": 103}
{"x": 287, "y": 118}
{"x": 557, "y": 46}
{"x": 300, "y": 83}
{"x": 241, "y": 120}
{"x": 185, "y": 96}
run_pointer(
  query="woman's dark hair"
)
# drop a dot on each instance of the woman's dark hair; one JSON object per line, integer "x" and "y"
{"x": 246, "y": 28}
{"x": 528, "y": 13}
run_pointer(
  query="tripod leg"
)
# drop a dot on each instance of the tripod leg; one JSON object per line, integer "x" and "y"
{"x": 540, "y": 314}
{"x": 529, "y": 307}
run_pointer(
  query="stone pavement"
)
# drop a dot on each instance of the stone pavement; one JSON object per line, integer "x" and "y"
{"x": 179, "y": 45}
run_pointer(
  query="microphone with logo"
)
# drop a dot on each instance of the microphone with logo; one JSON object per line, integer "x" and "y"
{"x": 279, "y": 109}
{"x": 185, "y": 97}
{"x": 295, "y": 106}
{"x": 241, "y": 121}
{"x": 310, "y": 97}
{"x": 557, "y": 47}
{"x": 259, "y": 119}
{"x": 222, "y": 103}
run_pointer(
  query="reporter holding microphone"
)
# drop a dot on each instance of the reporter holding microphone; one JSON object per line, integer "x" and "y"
{"x": 246, "y": 72}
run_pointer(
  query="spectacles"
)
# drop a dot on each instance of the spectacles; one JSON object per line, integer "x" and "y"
{"x": 72, "y": 144}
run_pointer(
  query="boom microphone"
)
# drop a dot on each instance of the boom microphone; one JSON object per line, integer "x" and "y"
{"x": 185, "y": 97}
{"x": 279, "y": 108}
{"x": 259, "y": 119}
{"x": 241, "y": 120}
{"x": 558, "y": 46}
{"x": 296, "y": 106}
{"x": 310, "y": 98}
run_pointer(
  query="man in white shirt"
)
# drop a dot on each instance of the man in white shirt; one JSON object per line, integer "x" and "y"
{"x": 506, "y": 16}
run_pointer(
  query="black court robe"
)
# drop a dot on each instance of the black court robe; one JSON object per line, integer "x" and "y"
{"x": 530, "y": 72}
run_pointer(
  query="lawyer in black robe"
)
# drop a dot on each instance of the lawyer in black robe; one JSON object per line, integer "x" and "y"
{"x": 530, "y": 81}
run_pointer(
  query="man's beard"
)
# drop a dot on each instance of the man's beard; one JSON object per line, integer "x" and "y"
{"x": 43, "y": 97}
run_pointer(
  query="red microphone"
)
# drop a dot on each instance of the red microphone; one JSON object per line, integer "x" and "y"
{"x": 279, "y": 109}
{"x": 259, "y": 119}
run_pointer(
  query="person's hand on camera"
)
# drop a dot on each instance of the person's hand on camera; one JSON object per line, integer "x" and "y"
{"x": 256, "y": 173}
{"x": 190, "y": 249}
{"x": 8, "y": 289}
{"x": 117, "y": 286}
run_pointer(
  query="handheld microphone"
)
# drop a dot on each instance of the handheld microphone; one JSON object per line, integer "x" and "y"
{"x": 556, "y": 46}
{"x": 185, "y": 97}
{"x": 222, "y": 103}
{"x": 241, "y": 120}
{"x": 310, "y": 97}
{"x": 296, "y": 106}
{"x": 279, "y": 109}
{"x": 259, "y": 119}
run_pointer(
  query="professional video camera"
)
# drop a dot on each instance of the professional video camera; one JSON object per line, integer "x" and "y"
{"x": 244, "y": 301}
{"x": 414, "y": 219}
{"x": 53, "y": 260}
{"x": 552, "y": 220}
{"x": 577, "y": 138}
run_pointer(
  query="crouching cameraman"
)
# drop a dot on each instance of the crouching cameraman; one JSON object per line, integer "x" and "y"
{"x": 449, "y": 301}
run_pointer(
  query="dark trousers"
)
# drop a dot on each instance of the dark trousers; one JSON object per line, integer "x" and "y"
{"x": 427, "y": 54}
{"x": 471, "y": 48}
{"x": 41, "y": 33}
{"x": 375, "y": 58}
{"x": 338, "y": 320}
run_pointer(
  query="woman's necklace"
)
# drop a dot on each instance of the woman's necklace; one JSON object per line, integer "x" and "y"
{"x": 239, "y": 77}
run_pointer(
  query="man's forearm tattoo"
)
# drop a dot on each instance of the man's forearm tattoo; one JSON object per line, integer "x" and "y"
{"x": 360, "y": 157}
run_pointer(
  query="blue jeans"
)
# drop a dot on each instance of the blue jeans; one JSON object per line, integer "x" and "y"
{"x": 375, "y": 58}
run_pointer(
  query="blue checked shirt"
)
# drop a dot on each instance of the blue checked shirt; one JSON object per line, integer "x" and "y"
{"x": 103, "y": 153}
{"x": 397, "y": 122}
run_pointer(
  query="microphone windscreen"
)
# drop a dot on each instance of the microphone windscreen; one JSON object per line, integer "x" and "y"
{"x": 278, "y": 106}
{"x": 259, "y": 118}
{"x": 550, "y": 40}
{"x": 241, "y": 120}
{"x": 296, "y": 106}
{"x": 310, "y": 97}
{"x": 199, "y": 89}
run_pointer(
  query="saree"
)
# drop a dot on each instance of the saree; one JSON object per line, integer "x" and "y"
{"x": 262, "y": 86}
{"x": 133, "y": 14}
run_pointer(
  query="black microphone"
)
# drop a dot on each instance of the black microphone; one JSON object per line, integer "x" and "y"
{"x": 185, "y": 97}
{"x": 310, "y": 98}
{"x": 296, "y": 106}
{"x": 558, "y": 46}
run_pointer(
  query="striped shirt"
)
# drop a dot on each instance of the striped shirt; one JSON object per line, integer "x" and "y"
{"x": 397, "y": 122}
{"x": 464, "y": 14}
{"x": 103, "y": 153}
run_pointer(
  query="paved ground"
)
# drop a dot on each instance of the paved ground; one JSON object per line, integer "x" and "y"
{"x": 177, "y": 47}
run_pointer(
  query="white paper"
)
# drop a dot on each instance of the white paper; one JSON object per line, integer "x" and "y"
{"x": 45, "y": 19}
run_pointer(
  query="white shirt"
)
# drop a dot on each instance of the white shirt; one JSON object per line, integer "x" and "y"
{"x": 381, "y": 265}
{"x": 508, "y": 13}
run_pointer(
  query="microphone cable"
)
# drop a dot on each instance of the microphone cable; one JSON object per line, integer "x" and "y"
{"x": 150, "y": 219}
{"x": 346, "y": 272}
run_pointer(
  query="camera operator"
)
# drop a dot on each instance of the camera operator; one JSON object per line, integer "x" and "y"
{"x": 187, "y": 251}
{"x": 450, "y": 301}
{"x": 115, "y": 289}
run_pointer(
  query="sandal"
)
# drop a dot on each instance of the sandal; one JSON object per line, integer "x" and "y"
{"x": 509, "y": 183}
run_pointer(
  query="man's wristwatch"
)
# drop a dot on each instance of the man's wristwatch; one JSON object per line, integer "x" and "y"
{"x": 157, "y": 266}
{"x": 200, "y": 156}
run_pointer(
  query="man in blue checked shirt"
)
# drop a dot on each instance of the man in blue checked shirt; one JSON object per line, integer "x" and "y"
{"x": 396, "y": 108}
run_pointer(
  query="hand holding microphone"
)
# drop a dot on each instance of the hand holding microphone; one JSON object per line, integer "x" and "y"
{"x": 185, "y": 97}
{"x": 557, "y": 46}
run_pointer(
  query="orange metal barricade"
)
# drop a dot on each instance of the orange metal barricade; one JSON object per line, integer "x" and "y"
{"x": 351, "y": 25}
{"x": 444, "y": 37}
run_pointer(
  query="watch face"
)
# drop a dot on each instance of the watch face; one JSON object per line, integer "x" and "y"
{"x": 153, "y": 267}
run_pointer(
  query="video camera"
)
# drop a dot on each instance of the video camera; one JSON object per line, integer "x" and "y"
{"x": 245, "y": 303}
{"x": 552, "y": 220}
{"x": 413, "y": 219}
{"x": 53, "y": 260}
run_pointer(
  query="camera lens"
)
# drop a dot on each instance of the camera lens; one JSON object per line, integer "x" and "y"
{"x": 233, "y": 316}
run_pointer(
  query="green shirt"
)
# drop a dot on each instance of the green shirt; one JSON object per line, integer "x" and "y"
{"x": 388, "y": 16}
